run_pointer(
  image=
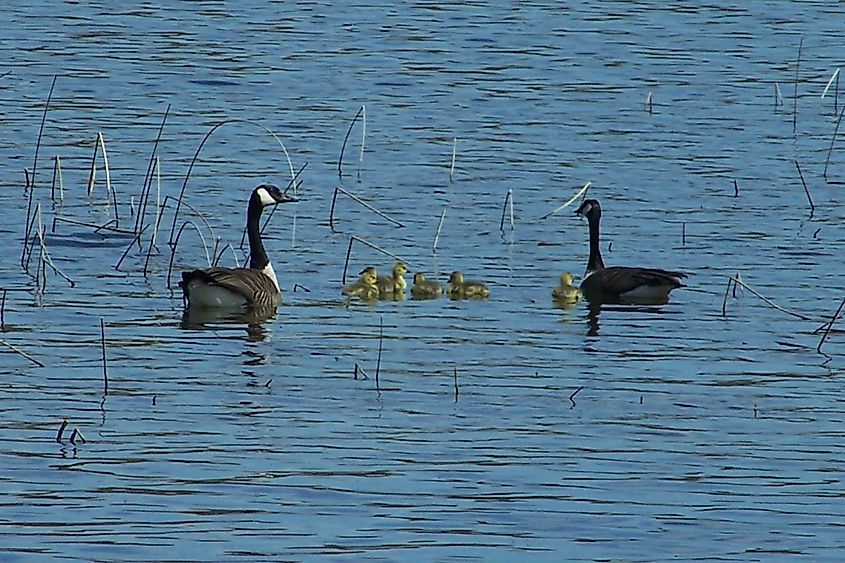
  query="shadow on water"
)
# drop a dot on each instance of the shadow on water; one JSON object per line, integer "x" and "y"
{"x": 594, "y": 310}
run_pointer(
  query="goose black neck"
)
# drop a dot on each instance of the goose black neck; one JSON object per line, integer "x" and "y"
{"x": 257, "y": 255}
{"x": 595, "y": 262}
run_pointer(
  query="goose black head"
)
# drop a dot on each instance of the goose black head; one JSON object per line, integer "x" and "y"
{"x": 268, "y": 194}
{"x": 589, "y": 209}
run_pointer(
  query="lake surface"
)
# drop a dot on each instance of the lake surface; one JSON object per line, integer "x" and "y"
{"x": 630, "y": 433}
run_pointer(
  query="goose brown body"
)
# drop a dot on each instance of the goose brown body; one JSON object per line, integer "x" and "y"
{"x": 255, "y": 286}
{"x": 621, "y": 283}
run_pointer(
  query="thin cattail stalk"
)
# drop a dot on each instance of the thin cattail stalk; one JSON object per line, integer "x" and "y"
{"x": 830, "y": 326}
{"x": 354, "y": 238}
{"x": 649, "y": 103}
{"x": 293, "y": 183}
{"x": 582, "y": 191}
{"x": 92, "y": 175}
{"x": 135, "y": 239}
{"x": 44, "y": 256}
{"x": 31, "y": 184}
{"x": 158, "y": 200}
{"x": 455, "y": 375}
{"x": 363, "y": 137}
{"x": 725, "y": 300}
{"x": 61, "y": 431}
{"x": 832, "y": 141}
{"x": 109, "y": 187}
{"x": 452, "y": 165}
{"x": 331, "y": 210}
{"x": 176, "y": 244}
{"x": 778, "y": 96}
{"x": 768, "y": 301}
{"x": 833, "y": 79}
{"x": 76, "y": 435}
{"x": 736, "y": 188}
{"x": 57, "y": 178}
{"x": 806, "y": 191}
{"x": 220, "y": 255}
{"x": 21, "y": 353}
{"x": 3, "y": 312}
{"x": 105, "y": 366}
{"x": 380, "y": 345}
{"x": 104, "y": 227}
{"x": 508, "y": 200}
{"x": 572, "y": 396}
{"x": 345, "y": 140}
{"x": 368, "y": 206}
{"x": 437, "y": 232}
{"x": 148, "y": 177}
{"x": 795, "y": 97}
{"x": 684, "y": 233}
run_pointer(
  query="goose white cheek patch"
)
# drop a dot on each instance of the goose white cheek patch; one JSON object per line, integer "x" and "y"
{"x": 265, "y": 197}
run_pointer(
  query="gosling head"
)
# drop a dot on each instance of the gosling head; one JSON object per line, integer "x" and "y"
{"x": 456, "y": 278}
{"x": 399, "y": 268}
{"x": 268, "y": 194}
{"x": 369, "y": 270}
{"x": 566, "y": 278}
{"x": 369, "y": 277}
{"x": 419, "y": 278}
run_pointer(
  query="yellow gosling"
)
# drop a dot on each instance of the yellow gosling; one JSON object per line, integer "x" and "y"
{"x": 566, "y": 292}
{"x": 460, "y": 289}
{"x": 390, "y": 285}
{"x": 425, "y": 289}
{"x": 366, "y": 288}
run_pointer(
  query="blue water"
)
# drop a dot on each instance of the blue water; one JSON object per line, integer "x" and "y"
{"x": 689, "y": 434}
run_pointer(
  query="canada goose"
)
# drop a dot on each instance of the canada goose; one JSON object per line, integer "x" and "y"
{"x": 621, "y": 283}
{"x": 425, "y": 289}
{"x": 460, "y": 289}
{"x": 566, "y": 292}
{"x": 390, "y": 285}
{"x": 256, "y": 286}
{"x": 366, "y": 288}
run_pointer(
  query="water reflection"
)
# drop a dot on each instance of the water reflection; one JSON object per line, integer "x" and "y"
{"x": 198, "y": 318}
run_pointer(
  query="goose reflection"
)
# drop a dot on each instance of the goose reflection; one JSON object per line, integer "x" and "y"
{"x": 594, "y": 311}
{"x": 210, "y": 318}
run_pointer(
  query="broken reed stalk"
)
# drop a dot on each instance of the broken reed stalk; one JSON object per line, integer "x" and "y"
{"x": 832, "y": 142}
{"x": 220, "y": 255}
{"x": 105, "y": 367}
{"x": 572, "y": 396}
{"x": 44, "y": 256}
{"x": 380, "y": 344}
{"x": 736, "y": 188}
{"x": 176, "y": 243}
{"x": 830, "y": 326}
{"x": 806, "y": 191}
{"x": 294, "y": 183}
{"x": 437, "y": 232}
{"x": 21, "y": 353}
{"x": 649, "y": 103}
{"x": 57, "y": 176}
{"x": 28, "y": 223}
{"x": 3, "y": 312}
{"x": 833, "y": 77}
{"x": 371, "y": 245}
{"x": 104, "y": 227}
{"x": 778, "y": 96}
{"x": 795, "y": 97}
{"x": 148, "y": 178}
{"x": 454, "y": 152}
{"x": 345, "y": 140}
{"x": 455, "y": 372}
{"x": 181, "y": 199}
{"x": 365, "y": 204}
{"x": 363, "y": 136}
{"x": 136, "y": 238}
{"x": 76, "y": 435}
{"x": 508, "y": 199}
{"x": 331, "y": 210}
{"x": 768, "y": 301}
{"x": 582, "y": 191}
{"x": 61, "y": 431}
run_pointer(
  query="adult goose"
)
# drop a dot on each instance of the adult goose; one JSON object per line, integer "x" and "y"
{"x": 255, "y": 286}
{"x": 621, "y": 283}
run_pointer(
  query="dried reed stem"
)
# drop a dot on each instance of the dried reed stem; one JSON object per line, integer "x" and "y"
{"x": 363, "y": 137}
{"x": 572, "y": 396}
{"x": 3, "y": 312}
{"x": 371, "y": 245}
{"x": 105, "y": 367}
{"x": 806, "y": 191}
{"x": 830, "y": 326}
{"x": 832, "y": 141}
{"x": 455, "y": 374}
{"x": 649, "y": 103}
{"x": 61, "y": 431}
{"x": 452, "y": 165}
{"x": 437, "y": 232}
{"x": 380, "y": 345}
{"x": 57, "y": 176}
{"x": 736, "y": 188}
{"x": 768, "y": 301}
{"x": 345, "y": 140}
{"x": 176, "y": 243}
{"x": 367, "y": 205}
{"x": 152, "y": 165}
{"x": 293, "y": 183}
{"x": 833, "y": 78}
{"x": 795, "y": 97}
{"x": 582, "y": 191}
{"x": 135, "y": 239}
{"x": 508, "y": 199}
{"x": 31, "y": 184}
{"x": 21, "y": 353}
{"x": 778, "y": 96}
